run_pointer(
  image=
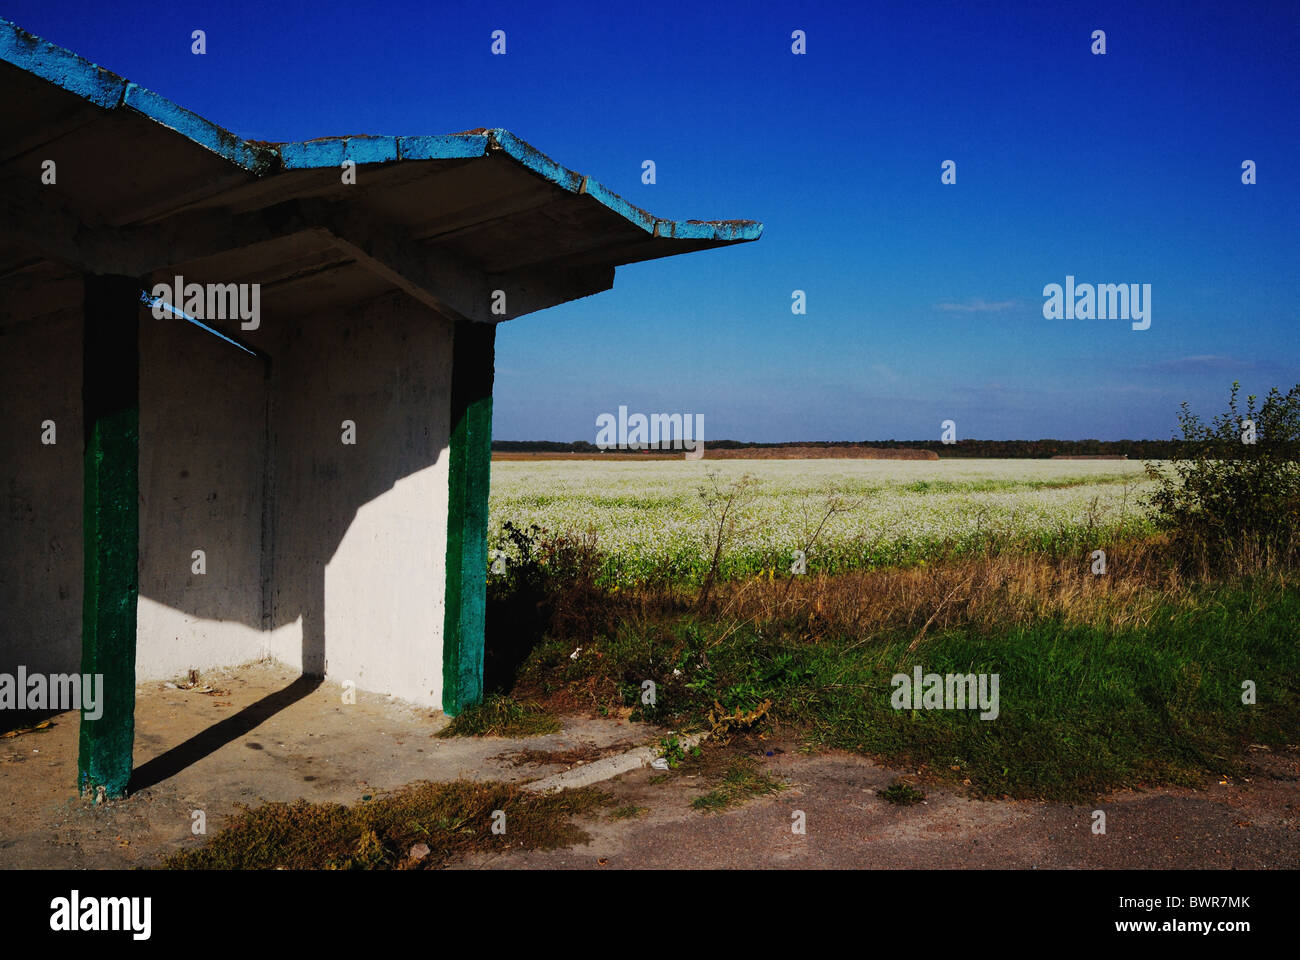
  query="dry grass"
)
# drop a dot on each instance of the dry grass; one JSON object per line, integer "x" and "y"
{"x": 743, "y": 780}
{"x": 446, "y": 820}
{"x": 988, "y": 592}
{"x": 1000, "y": 589}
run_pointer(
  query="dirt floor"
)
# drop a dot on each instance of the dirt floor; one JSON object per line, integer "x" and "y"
{"x": 257, "y": 734}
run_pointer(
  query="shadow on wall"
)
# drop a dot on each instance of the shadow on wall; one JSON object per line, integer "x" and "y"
{"x": 303, "y": 536}
{"x": 40, "y": 526}
{"x": 357, "y": 532}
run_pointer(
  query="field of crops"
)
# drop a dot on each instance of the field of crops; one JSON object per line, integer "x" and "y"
{"x": 651, "y": 520}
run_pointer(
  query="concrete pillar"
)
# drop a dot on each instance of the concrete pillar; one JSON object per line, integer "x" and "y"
{"x": 469, "y": 469}
{"x": 110, "y": 400}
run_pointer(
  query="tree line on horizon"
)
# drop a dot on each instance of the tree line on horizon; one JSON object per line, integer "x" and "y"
{"x": 993, "y": 449}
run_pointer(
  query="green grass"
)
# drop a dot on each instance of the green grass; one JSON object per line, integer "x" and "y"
{"x": 452, "y": 819}
{"x": 628, "y": 812}
{"x": 902, "y": 794}
{"x": 672, "y": 750}
{"x": 744, "y": 779}
{"x": 999, "y": 485}
{"x": 1084, "y": 708}
{"x": 499, "y": 716}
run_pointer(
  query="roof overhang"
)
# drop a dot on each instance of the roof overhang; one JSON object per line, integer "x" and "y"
{"x": 146, "y": 188}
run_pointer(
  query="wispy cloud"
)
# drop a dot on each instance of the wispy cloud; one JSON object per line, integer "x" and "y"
{"x": 976, "y": 306}
{"x": 1202, "y": 363}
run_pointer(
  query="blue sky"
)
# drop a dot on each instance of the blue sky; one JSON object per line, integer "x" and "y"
{"x": 924, "y": 299}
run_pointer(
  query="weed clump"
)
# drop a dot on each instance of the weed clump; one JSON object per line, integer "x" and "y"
{"x": 902, "y": 794}
{"x": 744, "y": 779}
{"x": 499, "y": 716}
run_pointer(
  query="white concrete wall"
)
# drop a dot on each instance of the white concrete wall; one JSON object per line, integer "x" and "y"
{"x": 40, "y": 524}
{"x": 360, "y": 531}
{"x": 325, "y": 556}
{"x": 202, "y": 460}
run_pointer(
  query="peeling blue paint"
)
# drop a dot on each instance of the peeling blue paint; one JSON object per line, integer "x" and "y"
{"x": 105, "y": 89}
{"x": 449, "y": 146}
{"x": 610, "y": 199}
{"x": 735, "y": 231}
{"x": 732, "y": 231}
{"x": 195, "y": 128}
{"x": 536, "y": 161}
{"x": 332, "y": 151}
{"x": 60, "y": 67}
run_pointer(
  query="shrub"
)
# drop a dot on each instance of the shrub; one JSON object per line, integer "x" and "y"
{"x": 1229, "y": 500}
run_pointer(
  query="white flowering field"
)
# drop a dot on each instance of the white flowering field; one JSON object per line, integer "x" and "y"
{"x": 650, "y": 519}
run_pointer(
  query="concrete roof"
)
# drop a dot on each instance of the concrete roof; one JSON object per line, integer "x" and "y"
{"x": 147, "y": 188}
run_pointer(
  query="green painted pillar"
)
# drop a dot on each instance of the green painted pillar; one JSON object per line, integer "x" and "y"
{"x": 111, "y": 528}
{"x": 469, "y": 468}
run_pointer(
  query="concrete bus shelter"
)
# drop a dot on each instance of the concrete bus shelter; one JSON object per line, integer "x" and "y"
{"x": 130, "y": 441}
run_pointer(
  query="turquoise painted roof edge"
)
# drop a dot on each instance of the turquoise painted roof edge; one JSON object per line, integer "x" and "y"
{"x": 107, "y": 90}
{"x": 59, "y": 66}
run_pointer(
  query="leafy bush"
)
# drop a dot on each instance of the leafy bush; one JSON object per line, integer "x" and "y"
{"x": 530, "y": 560}
{"x": 1229, "y": 499}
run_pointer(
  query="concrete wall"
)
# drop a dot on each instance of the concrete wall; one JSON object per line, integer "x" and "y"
{"x": 359, "y": 531}
{"x": 40, "y": 526}
{"x": 329, "y": 557}
{"x": 202, "y": 435}
{"x": 202, "y": 464}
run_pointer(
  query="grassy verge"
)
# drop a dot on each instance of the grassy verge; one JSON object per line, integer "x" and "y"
{"x": 1104, "y": 682}
{"x": 1084, "y": 708}
{"x": 450, "y": 819}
